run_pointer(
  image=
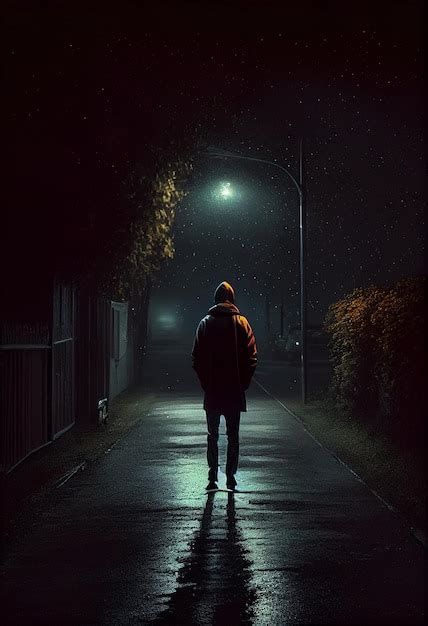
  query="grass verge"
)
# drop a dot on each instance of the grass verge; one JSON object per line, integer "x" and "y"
{"x": 398, "y": 476}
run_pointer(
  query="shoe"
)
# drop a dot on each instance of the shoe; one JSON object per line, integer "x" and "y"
{"x": 231, "y": 483}
{"x": 211, "y": 485}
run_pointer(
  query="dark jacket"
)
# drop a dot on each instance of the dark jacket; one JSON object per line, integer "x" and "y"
{"x": 224, "y": 356}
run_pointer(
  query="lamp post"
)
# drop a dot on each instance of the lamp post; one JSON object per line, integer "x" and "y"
{"x": 218, "y": 153}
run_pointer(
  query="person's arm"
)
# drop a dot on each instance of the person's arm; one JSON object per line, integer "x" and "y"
{"x": 249, "y": 353}
{"x": 198, "y": 354}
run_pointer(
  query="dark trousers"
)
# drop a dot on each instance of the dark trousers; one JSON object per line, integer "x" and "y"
{"x": 232, "y": 429}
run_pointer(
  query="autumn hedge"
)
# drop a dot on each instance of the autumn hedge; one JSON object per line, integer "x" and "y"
{"x": 377, "y": 348}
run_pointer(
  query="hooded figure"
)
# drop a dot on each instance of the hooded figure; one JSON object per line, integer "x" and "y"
{"x": 224, "y": 356}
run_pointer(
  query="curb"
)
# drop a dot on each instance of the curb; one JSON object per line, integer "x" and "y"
{"x": 66, "y": 477}
{"x": 417, "y": 533}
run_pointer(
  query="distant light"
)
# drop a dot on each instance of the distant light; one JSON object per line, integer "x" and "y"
{"x": 297, "y": 343}
{"x": 167, "y": 321}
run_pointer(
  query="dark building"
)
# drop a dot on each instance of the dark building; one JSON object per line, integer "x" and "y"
{"x": 62, "y": 358}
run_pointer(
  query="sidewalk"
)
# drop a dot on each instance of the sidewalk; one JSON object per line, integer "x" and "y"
{"x": 134, "y": 538}
{"x": 27, "y": 488}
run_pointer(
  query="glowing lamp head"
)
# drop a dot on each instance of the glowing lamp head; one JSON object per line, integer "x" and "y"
{"x": 226, "y": 190}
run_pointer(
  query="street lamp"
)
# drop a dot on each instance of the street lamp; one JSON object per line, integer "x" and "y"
{"x": 219, "y": 153}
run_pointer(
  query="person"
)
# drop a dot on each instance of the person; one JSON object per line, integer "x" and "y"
{"x": 224, "y": 357}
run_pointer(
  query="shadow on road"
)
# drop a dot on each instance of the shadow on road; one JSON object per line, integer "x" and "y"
{"x": 214, "y": 583}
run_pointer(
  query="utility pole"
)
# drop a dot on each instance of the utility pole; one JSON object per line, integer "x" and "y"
{"x": 268, "y": 319}
{"x": 303, "y": 353}
{"x": 282, "y": 314}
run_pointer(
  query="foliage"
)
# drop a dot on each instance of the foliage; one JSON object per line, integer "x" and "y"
{"x": 376, "y": 338}
{"x": 143, "y": 230}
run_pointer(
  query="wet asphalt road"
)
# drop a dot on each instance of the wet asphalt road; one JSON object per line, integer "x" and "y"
{"x": 135, "y": 539}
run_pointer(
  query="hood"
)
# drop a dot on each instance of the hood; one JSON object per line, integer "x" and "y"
{"x": 223, "y": 309}
{"x": 224, "y": 293}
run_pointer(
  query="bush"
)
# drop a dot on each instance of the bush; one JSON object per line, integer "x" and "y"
{"x": 376, "y": 339}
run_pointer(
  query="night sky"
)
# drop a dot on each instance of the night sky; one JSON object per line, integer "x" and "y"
{"x": 349, "y": 80}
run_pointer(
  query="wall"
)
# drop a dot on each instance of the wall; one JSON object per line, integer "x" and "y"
{"x": 120, "y": 349}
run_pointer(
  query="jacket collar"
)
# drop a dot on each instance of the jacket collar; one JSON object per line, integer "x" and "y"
{"x": 223, "y": 309}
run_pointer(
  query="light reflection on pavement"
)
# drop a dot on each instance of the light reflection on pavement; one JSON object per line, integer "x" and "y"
{"x": 135, "y": 539}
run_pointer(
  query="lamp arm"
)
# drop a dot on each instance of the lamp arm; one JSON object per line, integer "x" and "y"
{"x": 247, "y": 158}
